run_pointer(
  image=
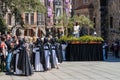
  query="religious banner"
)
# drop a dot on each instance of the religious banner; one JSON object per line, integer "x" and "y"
{"x": 67, "y": 1}
{"x": 67, "y": 7}
{"x": 50, "y": 0}
{"x": 67, "y": 11}
{"x": 49, "y": 12}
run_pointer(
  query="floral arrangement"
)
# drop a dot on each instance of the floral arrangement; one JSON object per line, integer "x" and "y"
{"x": 87, "y": 39}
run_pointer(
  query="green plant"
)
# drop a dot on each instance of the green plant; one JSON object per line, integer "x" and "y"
{"x": 83, "y": 20}
{"x": 86, "y": 38}
{"x": 63, "y": 38}
{"x": 72, "y": 38}
{"x": 3, "y": 26}
{"x": 89, "y": 38}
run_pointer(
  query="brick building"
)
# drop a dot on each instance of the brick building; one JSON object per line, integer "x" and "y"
{"x": 34, "y": 22}
{"x": 42, "y": 23}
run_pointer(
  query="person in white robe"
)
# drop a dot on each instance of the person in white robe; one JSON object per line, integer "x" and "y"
{"x": 38, "y": 64}
{"x": 47, "y": 53}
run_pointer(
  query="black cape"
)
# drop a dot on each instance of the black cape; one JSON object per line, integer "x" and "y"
{"x": 59, "y": 52}
{"x": 24, "y": 62}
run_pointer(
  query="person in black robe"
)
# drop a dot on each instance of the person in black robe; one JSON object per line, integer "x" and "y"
{"x": 48, "y": 53}
{"x": 38, "y": 58}
{"x": 116, "y": 49}
{"x": 54, "y": 55}
{"x": 59, "y": 51}
{"x": 42, "y": 57}
{"x": 16, "y": 52}
{"x": 23, "y": 61}
{"x": 31, "y": 51}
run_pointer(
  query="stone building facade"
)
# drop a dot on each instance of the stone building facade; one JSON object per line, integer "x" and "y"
{"x": 114, "y": 19}
{"x": 104, "y": 14}
{"x": 89, "y": 8}
{"x": 34, "y": 22}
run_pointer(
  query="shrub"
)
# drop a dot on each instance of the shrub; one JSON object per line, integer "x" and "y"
{"x": 86, "y": 38}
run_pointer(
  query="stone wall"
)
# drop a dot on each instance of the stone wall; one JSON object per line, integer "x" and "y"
{"x": 94, "y": 13}
{"x": 114, "y": 12}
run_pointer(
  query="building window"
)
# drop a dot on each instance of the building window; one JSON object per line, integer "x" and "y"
{"x": 48, "y": 2}
{"x": 32, "y": 18}
{"x": 9, "y": 19}
{"x": 85, "y": 1}
{"x": 57, "y": 2}
{"x": 58, "y": 12}
{"x": 40, "y": 19}
{"x": 27, "y": 18}
{"x": 111, "y": 22}
{"x": 94, "y": 22}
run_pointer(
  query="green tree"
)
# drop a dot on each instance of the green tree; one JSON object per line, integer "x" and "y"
{"x": 24, "y": 5}
{"x": 61, "y": 22}
{"x": 19, "y": 6}
{"x": 3, "y": 27}
{"x": 83, "y": 20}
{"x": 68, "y": 22}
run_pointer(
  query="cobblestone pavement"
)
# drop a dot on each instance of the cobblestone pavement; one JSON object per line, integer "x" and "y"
{"x": 95, "y": 70}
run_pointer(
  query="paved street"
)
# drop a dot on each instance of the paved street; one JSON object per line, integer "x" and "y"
{"x": 107, "y": 70}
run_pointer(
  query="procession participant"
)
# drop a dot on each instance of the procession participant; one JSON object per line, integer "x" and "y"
{"x": 54, "y": 53}
{"x": 51, "y": 52}
{"x": 116, "y": 49}
{"x": 38, "y": 53}
{"x": 42, "y": 57}
{"x": 34, "y": 39}
{"x": 31, "y": 45}
{"x": 23, "y": 66}
{"x": 47, "y": 52}
{"x": 59, "y": 51}
{"x": 16, "y": 53}
{"x": 24, "y": 61}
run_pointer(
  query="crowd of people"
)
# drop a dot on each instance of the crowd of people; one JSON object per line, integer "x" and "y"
{"x": 24, "y": 55}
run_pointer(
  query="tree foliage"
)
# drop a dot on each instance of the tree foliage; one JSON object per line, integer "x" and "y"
{"x": 24, "y": 5}
{"x": 3, "y": 27}
{"x": 17, "y": 7}
{"x": 68, "y": 22}
{"x": 83, "y": 20}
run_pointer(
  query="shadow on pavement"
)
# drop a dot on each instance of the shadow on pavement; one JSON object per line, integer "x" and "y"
{"x": 9, "y": 73}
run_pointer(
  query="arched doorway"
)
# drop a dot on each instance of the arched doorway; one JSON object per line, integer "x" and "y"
{"x": 18, "y": 32}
